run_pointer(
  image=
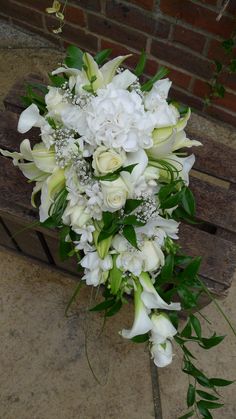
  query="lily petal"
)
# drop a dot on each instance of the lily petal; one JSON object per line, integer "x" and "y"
{"x": 53, "y": 184}
{"x": 29, "y": 118}
{"x": 108, "y": 70}
{"x": 150, "y": 296}
{"x": 142, "y": 323}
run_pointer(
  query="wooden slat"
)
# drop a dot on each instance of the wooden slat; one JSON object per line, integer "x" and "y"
{"x": 215, "y": 205}
{"x": 215, "y": 159}
{"x": 5, "y": 238}
{"x": 218, "y": 255}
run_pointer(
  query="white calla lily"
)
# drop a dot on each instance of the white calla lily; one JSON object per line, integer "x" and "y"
{"x": 150, "y": 296}
{"x": 162, "y": 328}
{"x": 142, "y": 322}
{"x": 29, "y": 118}
{"x": 162, "y": 354}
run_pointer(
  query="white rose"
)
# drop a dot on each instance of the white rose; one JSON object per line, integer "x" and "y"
{"x": 53, "y": 98}
{"x": 114, "y": 194}
{"x": 106, "y": 160}
{"x": 75, "y": 216}
{"x": 152, "y": 256}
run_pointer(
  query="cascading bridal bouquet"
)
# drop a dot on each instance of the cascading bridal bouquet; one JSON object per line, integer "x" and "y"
{"x": 112, "y": 177}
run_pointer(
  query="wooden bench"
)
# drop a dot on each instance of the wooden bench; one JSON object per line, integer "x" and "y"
{"x": 214, "y": 238}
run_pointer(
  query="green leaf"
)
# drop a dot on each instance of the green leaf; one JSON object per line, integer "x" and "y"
{"x": 188, "y": 201}
{"x": 128, "y": 168}
{"x": 196, "y": 325}
{"x": 206, "y": 395}
{"x": 114, "y": 309}
{"x": 218, "y": 65}
{"x": 188, "y": 298}
{"x": 101, "y": 56}
{"x": 219, "y": 382}
{"x": 110, "y": 177}
{"x": 73, "y": 297}
{"x": 208, "y": 343}
{"x": 107, "y": 218}
{"x": 204, "y": 381}
{"x": 132, "y": 220}
{"x": 132, "y": 204}
{"x": 130, "y": 235}
{"x": 56, "y": 80}
{"x": 139, "y": 69}
{"x": 167, "y": 270}
{"x": 65, "y": 249}
{"x": 104, "y": 305}
{"x": 187, "y": 352}
{"x": 162, "y": 72}
{"x": 228, "y": 45}
{"x": 187, "y": 331}
{"x": 209, "y": 405}
{"x": 187, "y": 415}
{"x": 74, "y": 57}
{"x": 204, "y": 412}
{"x": 49, "y": 223}
{"x": 191, "y": 269}
{"x": 232, "y": 66}
{"x": 41, "y": 87}
{"x": 191, "y": 395}
{"x": 140, "y": 338}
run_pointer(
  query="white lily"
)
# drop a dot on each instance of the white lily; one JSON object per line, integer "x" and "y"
{"x": 142, "y": 323}
{"x": 140, "y": 159}
{"x": 53, "y": 184}
{"x": 150, "y": 296}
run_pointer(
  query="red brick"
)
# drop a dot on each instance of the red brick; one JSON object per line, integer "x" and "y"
{"x": 228, "y": 101}
{"x": 217, "y": 52}
{"x": 75, "y": 35}
{"x": 51, "y": 37}
{"x": 221, "y": 114}
{"x": 231, "y": 8}
{"x": 113, "y": 31}
{"x": 198, "y": 16}
{"x": 187, "y": 98}
{"x": 18, "y": 11}
{"x": 136, "y": 18}
{"x": 189, "y": 38}
{"x": 88, "y": 4}
{"x": 145, "y": 4}
{"x": 118, "y": 49}
{"x": 75, "y": 15}
{"x": 180, "y": 79}
{"x": 38, "y": 5}
{"x": 201, "y": 88}
{"x": 229, "y": 80}
{"x": 182, "y": 59}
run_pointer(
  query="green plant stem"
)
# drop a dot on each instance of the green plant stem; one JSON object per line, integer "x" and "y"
{"x": 217, "y": 306}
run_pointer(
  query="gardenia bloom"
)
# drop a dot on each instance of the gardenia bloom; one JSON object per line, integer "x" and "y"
{"x": 96, "y": 269}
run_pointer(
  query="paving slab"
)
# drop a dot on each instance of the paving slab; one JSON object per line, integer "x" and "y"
{"x": 43, "y": 357}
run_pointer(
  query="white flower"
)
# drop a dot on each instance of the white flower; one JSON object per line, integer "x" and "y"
{"x": 142, "y": 323}
{"x": 130, "y": 261}
{"x": 162, "y": 328}
{"x": 107, "y": 160}
{"x": 150, "y": 296}
{"x": 96, "y": 269}
{"x": 86, "y": 233}
{"x": 53, "y": 184}
{"x": 76, "y": 216}
{"x": 114, "y": 194}
{"x": 181, "y": 166}
{"x": 162, "y": 353}
{"x": 116, "y": 118}
{"x": 152, "y": 256}
{"x": 53, "y": 98}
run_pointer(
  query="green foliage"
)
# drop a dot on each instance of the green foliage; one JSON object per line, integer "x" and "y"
{"x": 162, "y": 72}
{"x": 57, "y": 80}
{"x": 74, "y": 57}
{"x": 102, "y": 56}
{"x": 140, "y": 338}
{"x": 139, "y": 69}
{"x": 34, "y": 93}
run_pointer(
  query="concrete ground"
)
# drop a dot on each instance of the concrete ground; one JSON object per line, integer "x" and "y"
{"x": 44, "y": 369}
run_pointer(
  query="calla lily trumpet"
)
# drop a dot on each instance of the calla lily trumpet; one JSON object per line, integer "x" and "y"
{"x": 150, "y": 296}
{"x": 142, "y": 322}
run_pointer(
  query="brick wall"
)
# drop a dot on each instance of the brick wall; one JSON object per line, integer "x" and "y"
{"x": 181, "y": 34}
